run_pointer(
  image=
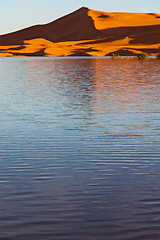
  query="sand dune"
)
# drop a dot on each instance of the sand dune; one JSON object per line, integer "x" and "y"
{"x": 87, "y": 32}
{"x": 103, "y": 20}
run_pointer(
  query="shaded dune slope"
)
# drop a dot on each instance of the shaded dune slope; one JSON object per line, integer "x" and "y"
{"x": 72, "y": 27}
{"x": 87, "y": 32}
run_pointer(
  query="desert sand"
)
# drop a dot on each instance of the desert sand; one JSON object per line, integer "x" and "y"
{"x": 87, "y": 32}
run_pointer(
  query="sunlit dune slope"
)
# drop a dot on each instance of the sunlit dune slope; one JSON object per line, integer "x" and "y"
{"x": 103, "y": 20}
{"x": 87, "y": 32}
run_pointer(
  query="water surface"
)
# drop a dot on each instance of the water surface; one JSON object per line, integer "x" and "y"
{"x": 79, "y": 149}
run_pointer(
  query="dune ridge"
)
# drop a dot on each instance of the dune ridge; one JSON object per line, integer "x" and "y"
{"x": 87, "y": 32}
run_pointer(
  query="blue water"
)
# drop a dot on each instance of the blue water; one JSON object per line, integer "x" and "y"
{"x": 79, "y": 149}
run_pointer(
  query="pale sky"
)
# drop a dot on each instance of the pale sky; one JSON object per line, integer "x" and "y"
{"x": 18, "y": 14}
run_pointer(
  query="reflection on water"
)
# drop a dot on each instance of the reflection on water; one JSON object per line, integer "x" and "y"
{"x": 79, "y": 149}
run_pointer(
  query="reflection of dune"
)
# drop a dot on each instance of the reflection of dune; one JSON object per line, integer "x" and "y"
{"x": 69, "y": 85}
{"x": 117, "y": 84}
{"x": 86, "y": 32}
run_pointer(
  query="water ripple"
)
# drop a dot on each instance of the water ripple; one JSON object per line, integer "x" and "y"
{"x": 79, "y": 149}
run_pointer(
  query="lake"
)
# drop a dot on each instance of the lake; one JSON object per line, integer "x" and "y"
{"x": 79, "y": 149}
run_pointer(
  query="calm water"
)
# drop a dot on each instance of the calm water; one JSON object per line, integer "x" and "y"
{"x": 79, "y": 149}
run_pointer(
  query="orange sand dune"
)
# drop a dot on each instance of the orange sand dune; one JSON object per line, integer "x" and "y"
{"x": 87, "y": 32}
{"x": 104, "y": 20}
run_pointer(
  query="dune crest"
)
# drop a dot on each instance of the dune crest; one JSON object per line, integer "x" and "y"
{"x": 87, "y": 32}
